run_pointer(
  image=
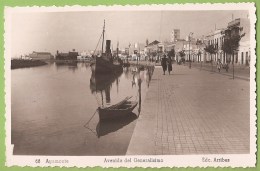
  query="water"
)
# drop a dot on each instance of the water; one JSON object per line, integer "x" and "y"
{"x": 51, "y": 105}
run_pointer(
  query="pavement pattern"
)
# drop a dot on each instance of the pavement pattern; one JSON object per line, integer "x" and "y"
{"x": 240, "y": 71}
{"x": 193, "y": 111}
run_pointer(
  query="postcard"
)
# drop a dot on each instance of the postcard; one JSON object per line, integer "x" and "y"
{"x": 131, "y": 86}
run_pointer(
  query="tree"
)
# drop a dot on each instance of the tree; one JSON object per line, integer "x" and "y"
{"x": 182, "y": 54}
{"x": 211, "y": 50}
{"x": 154, "y": 54}
{"x": 199, "y": 55}
{"x": 147, "y": 42}
{"x": 231, "y": 42}
{"x": 199, "y": 43}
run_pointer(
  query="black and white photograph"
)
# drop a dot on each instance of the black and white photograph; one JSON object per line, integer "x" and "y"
{"x": 152, "y": 85}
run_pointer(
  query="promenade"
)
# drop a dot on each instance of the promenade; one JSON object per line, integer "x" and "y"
{"x": 193, "y": 111}
{"x": 240, "y": 71}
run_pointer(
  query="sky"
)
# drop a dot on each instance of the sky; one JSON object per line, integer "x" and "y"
{"x": 64, "y": 31}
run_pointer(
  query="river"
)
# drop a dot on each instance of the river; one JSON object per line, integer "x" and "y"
{"x": 51, "y": 105}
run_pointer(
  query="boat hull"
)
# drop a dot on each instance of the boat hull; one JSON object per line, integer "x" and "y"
{"x": 106, "y": 114}
{"x": 102, "y": 66}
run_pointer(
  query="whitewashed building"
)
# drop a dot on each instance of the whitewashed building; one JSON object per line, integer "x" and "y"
{"x": 241, "y": 26}
{"x": 216, "y": 38}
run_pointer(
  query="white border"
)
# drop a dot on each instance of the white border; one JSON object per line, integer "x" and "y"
{"x": 236, "y": 160}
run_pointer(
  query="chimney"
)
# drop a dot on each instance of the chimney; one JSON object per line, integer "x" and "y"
{"x": 108, "y": 42}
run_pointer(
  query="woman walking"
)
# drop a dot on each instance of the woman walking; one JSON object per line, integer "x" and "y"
{"x": 169, "y": 63}
{"x": 164, "y": 64}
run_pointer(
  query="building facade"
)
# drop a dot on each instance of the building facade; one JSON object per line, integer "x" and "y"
{"x": 216, "y": 38}
{"x": 175, "y": 35}
{"x": 67, "y": 56}
{"x": 241, "y": 54}
{"x": 240, "y": 27}
{"x": 154, "y": 50}
{"x": 41, "y": 55}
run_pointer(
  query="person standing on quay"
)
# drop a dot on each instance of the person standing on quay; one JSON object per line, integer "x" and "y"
{"x": 164, "y": 64}
{"x": 169, "y": 62}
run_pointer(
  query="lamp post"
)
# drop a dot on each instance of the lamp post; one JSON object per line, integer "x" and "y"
{"x": 199, "y": 43}
{"x": 189, "y": 49}
{"x": 233, "y": 62}
{"x": 128, "y": 52}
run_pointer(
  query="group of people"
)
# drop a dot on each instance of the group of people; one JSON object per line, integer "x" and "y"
{"x": 166, "y": 64}
{"x": 220, "y": 65}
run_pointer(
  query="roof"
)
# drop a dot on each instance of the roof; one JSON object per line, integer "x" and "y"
{"x": 153, "y": 43}
{"x": 42, "y": 53}
{"x": 63, "y": 54}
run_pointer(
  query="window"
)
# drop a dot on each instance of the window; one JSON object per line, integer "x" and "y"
{"x": 247, "y": 59}
{"x": 242, "y": 58}
{"x": 236, "y": 56}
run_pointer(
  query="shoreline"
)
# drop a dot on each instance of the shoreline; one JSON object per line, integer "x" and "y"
{"x": 19, "y": 63}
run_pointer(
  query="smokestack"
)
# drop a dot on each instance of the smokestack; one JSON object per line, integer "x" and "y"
{"x": 108, "y": 42}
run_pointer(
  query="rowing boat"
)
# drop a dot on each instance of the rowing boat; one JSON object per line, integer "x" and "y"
{"x": 120, "y": 109}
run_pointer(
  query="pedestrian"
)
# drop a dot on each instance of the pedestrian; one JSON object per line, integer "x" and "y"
{"x": 219, "y": 65}
{"x": 164, "y": 64}
{"x": 169, "y": 63}
{"x": 227, "y": 65}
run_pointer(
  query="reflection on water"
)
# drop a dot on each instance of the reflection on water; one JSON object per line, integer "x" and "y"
{"x": 71, "y": 65}
{"x": 50, "y": 104}
{"x": 106, "y": 127}
{"x": 100, "y": 85}
{"x": 103, "y": 83}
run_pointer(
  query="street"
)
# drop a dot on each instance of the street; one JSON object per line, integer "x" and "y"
{"x": 193, "y": 111}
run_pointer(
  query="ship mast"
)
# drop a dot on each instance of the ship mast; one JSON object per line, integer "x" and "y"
{"x": 117, "y": 50}
{"x": 103, "y": 37}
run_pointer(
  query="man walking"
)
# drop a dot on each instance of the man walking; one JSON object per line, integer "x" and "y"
{"x": 164, "y": 64}
{"x": 169, "y": 62}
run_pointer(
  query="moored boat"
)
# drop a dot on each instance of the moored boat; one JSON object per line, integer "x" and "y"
{"x": 106, "y": 64}
{"x": 120, "y": 109}
{"x": 102, "y": 66}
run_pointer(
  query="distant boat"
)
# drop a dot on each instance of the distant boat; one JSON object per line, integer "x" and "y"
{"x": 120, "y": 109}
{"x": 106, "y": 64}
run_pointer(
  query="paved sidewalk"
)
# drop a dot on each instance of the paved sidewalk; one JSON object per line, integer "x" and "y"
{"x": 193, "y": 112}
{"x": 240, "y": 72}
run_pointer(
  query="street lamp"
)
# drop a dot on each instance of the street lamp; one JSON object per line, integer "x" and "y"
{"x": 189, "y": 48}
{"x": 199, "y": 43}
{"x": 128, "y": 52}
